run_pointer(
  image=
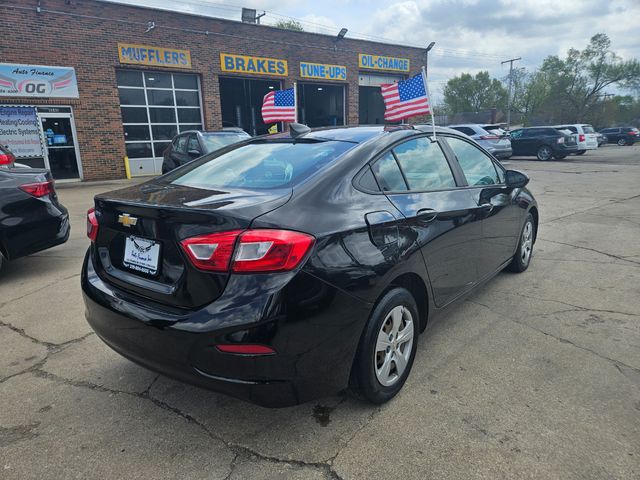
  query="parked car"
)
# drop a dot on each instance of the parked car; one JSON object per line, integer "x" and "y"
{"x": 621, "y": 135}
{"x": 495, "y": 142}
{"x": 285, "y": 268}
{"x": 602, "y": 139}
{"x": 31, "y": 217}
{"x": 585, "y": 135}
{"x": 543, "y": 142}
{"x": 8, "y": 160}
{"x": 188, "y": 146}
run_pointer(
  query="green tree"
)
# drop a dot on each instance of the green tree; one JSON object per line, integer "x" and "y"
{"x": 530, "y": 93}
{"x": 468, "y": 93}
{"x": 577, "y": 81}
{"x": 289, "y": 25}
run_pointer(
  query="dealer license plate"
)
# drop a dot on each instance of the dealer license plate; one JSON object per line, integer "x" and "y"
{"x": 141, "y": 255}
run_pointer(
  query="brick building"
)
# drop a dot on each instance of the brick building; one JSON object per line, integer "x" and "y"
{"x": 84, "y": 83}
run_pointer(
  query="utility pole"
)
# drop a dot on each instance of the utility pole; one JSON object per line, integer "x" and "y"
{"x": 510, "y": 61}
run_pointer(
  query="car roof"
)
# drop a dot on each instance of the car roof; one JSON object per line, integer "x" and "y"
{"x": 217, "y": 132}
{"x": 359, "y": 133}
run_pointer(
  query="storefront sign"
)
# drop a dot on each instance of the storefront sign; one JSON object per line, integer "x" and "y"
{"x": 378, "y": 62}
{"x": 153, "y": 56}
{"x": 18, "y": 80}
{"x": 322, "y": 71}
{"x": 19, "y": 130}
{"x": 253, "y": 65}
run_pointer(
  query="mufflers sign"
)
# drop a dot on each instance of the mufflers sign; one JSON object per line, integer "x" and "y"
{"x": 153, "y": 56}
{"x": 17, "y": 80}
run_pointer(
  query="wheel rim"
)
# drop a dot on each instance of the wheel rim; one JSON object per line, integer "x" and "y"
{"x": 544, "y": 153}
{"x": 526, "y": 243}
{"x": 621, "y": 141}
{"x": 393, "y": 346}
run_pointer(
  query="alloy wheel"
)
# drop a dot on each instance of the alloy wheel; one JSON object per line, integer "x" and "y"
{"x": 526, "y": 243}
{"x": 393, "y": 346}
{"x": 545, "y": 153}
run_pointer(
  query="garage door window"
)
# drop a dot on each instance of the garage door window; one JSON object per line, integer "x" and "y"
{"x": 155, "y": 107}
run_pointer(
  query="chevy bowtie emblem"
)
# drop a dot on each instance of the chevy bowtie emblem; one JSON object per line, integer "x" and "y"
{"x": 127, "y": 220}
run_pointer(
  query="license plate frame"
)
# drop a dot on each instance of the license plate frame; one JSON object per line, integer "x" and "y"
{"x": 141, "y": 255}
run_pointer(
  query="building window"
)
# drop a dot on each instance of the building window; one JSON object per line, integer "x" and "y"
{"x": 155, "y": 107}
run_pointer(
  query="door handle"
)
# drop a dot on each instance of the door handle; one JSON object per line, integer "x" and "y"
{"x": 426, "y": 215}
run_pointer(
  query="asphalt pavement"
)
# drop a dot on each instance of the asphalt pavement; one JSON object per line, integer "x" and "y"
{"x": 535, "y": 375}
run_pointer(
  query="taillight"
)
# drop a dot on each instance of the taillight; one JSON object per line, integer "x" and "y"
{"x": 39, "y": 189}
{"x": 6, "y": 159}
{"x": 561, "y": 140}
{"x": 92, "y": 224}
{"x": 211, "y": 252}
{"x": 581, "y": 138}
{"x": 489, "y": 137}
{"x": 260, "y": 250}
{"x": 246, "y": 349}
{"x": 632, "y": 132}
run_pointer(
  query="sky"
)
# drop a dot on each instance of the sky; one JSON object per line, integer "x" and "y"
{"x": 470, "y": 35}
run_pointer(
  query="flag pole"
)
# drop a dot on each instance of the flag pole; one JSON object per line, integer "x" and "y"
{"x": 426, "y": 88}
{"x": 295, "y": 101}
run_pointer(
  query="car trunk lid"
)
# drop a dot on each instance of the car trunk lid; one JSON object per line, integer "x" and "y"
{"x": 140, "y": 229}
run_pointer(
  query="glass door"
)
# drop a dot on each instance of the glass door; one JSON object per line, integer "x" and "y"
{"x": 61, "y": 145}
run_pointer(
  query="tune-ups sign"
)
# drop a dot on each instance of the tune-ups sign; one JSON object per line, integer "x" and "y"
{"x": 322, "y": 71}
{"x": 18, "y": 80}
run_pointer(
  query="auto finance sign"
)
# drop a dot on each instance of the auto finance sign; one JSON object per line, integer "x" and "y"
{"x": 18, "y": 80}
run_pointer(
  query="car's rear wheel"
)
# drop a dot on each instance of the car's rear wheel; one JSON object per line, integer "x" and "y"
{"x": 544, "y": 153}
{"x": 622, "y": 142}
{"x": 580, "y": 152}
{"x": 387, "y": 348}
{"x": 521, "y": 260}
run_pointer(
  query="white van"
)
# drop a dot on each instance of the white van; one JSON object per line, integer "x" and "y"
{"x": 586, "y": 136}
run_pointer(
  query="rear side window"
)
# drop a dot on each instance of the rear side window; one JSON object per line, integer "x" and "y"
{"x": 215, "y": 141}
{"x": 516, "y": 134}
{"x": 588, "y": 129}
{"x": 388, "y": 174}
{"x": 424, "y": 165}
{"x": 465, "y": 130}
{"x": 261, "y": 165}
{"x": 193, "y": 144}
{"x": 478, "y": 168}
{"x": 180, "y": 144}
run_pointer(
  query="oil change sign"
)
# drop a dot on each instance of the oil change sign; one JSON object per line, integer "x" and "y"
{"x": 379, "y": 62}
{"x": 253, "y": 65}
{"x": 19, "y": 130}
{"x": 17, "y": 80}
{"x": 322, "y": 71}
{"x": 153, "y": 56}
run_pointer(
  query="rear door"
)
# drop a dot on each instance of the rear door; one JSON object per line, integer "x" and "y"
{"x": 500, "y": 217}
{"x": 417, "y": 178}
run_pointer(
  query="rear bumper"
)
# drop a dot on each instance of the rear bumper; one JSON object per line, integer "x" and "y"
{"x": 313, "y": 327}
{"x": 502, "y": 153}
{"x": 42, "y": 228}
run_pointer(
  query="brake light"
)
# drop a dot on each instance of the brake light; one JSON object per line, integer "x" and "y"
{"x": 561, "y": 140}
{"x": 92, "y": 224}
{"x": 249, "y": 251}
{"x": 246, "y": 349}
{"x": 633, "y": 132}
{"x": 6, "y": 159}
{"x": 581, "y": 138}
{"x": 39, "y": 189}
{"x": 490, "y": 137}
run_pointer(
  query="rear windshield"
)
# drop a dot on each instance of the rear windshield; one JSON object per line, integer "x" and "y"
{"x": 214, "y": 141}
{"x": 262, "y": 165}
{"x": 588, "y": 129}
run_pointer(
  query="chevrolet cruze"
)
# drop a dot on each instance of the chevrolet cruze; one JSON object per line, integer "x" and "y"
{"x": 291, "y": 266}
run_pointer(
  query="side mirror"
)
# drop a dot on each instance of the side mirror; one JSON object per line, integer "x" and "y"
{"x": 515, "y": 179}
{"x": 194, "y": 153}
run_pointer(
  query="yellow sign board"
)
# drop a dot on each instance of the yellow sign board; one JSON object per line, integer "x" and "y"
{"x": 323, "y": 71}
{"x": 153, "y": 56}
{"x": 380, "y": 62}
{"x": 253, "y": 65}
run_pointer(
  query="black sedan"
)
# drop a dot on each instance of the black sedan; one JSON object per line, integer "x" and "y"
{"x": 543, "y": 142}
{"x": 194, "y": 143}
{"x": 292, "y": 266}
{"x": 31, "y": 217}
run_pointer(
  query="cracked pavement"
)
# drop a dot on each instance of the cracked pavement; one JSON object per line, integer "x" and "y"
{"x": 532, "y": 376}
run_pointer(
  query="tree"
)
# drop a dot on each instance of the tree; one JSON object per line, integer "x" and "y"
{"x": 289, "y": 25}
{"x": 577, "y": 81}
{"x": 530, "y": 93}
{"x": 468, "y": 93}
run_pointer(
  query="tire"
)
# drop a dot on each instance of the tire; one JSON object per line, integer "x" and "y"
{"x": 376, "y": 375}
{"x": 3, "y": 261}
{"x": 580, "y": 152}
{"x": 622, "y": 142}
{"x": 544, "y": 153}
{"x": 521, "y": 260}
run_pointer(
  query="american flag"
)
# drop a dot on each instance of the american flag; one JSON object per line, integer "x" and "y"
{"x": 279, "y": 106}
{"x": 405, "y": 99}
